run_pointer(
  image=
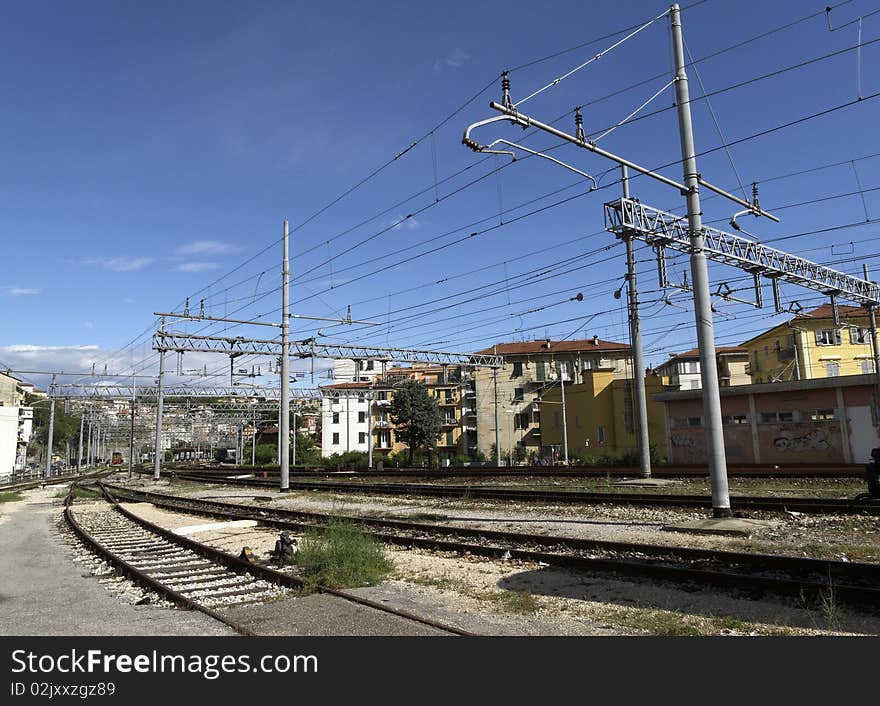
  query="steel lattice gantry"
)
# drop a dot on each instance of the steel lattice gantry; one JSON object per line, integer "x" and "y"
{"x": 92, "y": 391}
{"x": 662, "y": 229}
{"x": 234, "y": 346}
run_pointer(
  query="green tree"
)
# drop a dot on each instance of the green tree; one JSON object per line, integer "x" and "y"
{"x": 416, "y": 416}
{"x": 65, "y": 428}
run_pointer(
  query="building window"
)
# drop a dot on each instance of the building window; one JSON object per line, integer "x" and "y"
{"x": 381, "y": 395}
{"x": 541, "y": 371}
{"x": 336, "y": 417}
{"x": 734, "y": 419}
{"x": 867, "y": 367}
{"x": 771, "y": 417}
{"x": 822, "y": 415}
{"x": 335, "y": 438}
{"x": 832, "y": 370}
{"x": 857, "y": 334}
{"x": 696, "y": 384}
{"x": 361, "y": 397}
{"x": 521, "y": 421}
{"x": 368, "y": 365}
{"x": 689, "y": 367}
{"x": 600, "y": 434}
{"x": 518, "y": 394}
{"x": 517, "y": 370}
{"x": 565, "y": 370}
{"x": 362, "y": 437}
{"x": 756, "y": 366}
{"x": 828, "y": 337}
{"x": 362, "y": 417}
{"x": 449, "y": 438}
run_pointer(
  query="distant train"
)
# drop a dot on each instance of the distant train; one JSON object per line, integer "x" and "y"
{"x": 116, "y": 458}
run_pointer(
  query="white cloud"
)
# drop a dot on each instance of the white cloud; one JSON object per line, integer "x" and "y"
{"x": 28, "y": 348}
{"x": 404, "y": 223}
{"x": 14, "y": 290}
{"x": 456, "y": 59}
{"x": 197, "y": 266}
{"x": 120, "y": 264}
{"x": 206, "y": 247}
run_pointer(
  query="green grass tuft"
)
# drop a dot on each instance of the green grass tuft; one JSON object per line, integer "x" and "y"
{"x": 341, "y": 557}
{"x": 6, "y": 497}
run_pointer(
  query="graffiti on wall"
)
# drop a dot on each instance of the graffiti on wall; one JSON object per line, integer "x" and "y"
{"x": 813, "y": 440}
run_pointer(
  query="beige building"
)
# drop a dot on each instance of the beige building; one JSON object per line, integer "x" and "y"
{"x": 682, "y": 370}
{"x": 531, "y": 369}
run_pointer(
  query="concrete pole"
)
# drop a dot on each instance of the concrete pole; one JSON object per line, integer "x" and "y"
{"x": 875, "y": 349}
{"x": 285, "y": 363}
{"x": 254, "y": 441}
{"x": 369, "y": 432}
{"x": 89, "y": 441}
{"x": 347, "y": 423}
{"x": 700, "y": 277}
{"x": 131, "y": 427}
{"x": 497, "y": 424}
{"x": 157, "y": 461}
{"x": 564, "y": 419}
{"x": 293, "y": 443}
{"x": 79, "y": 454}
{"x": 635, "y": 339}
{"x": 51, "y": 436}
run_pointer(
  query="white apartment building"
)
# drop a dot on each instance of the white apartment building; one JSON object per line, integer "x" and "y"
{"x": 345, "y": 419}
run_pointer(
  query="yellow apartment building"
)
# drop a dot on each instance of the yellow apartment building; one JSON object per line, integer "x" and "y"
{"x": 811, "y": 346}
{"x": 599, "y": 416}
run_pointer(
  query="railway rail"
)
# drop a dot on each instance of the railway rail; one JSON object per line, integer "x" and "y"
{"x": 853, "y": 582}
{"x": 52, "y": 480}
{"x": 476, "y": 492}
{"x": 765, "y": 470}
{"x": 190, "y": 574}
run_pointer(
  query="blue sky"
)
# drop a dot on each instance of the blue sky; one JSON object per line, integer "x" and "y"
{"x": 150, "y": 148}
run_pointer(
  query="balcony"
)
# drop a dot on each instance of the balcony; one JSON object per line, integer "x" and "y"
{"x": 382, "y": 403}
{"x": 382, "y": 424}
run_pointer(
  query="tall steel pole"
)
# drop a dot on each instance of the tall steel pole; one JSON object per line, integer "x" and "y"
{"x": 369, "y": 432}
{"x": 89, "y": 441}
{"x": 497, "y": 425}
{"x": 285, "y": 375}
{"x": 79, "y": 455}
{"x": 254, "y": 441}
{"x": 635, "y": 339}
{"x": 564, "y": 421}
{"x": 131, "y": 427}
{"x": 872, "y": 319}
{"x": 700, "y": 277}
{"x": 157, "y": 463}
{"x": 51, "y": 435}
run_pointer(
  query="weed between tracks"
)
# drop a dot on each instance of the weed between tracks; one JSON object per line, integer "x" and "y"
{"x": 7, "y": 497}
{"x": 341, "y": 557}
{"x": 78, "y": 493}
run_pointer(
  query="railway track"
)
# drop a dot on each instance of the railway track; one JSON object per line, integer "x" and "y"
{"x": 190, "y": 574}
{"x": 767, "y": 470}
{"x": 52, "y": 480}
{"x": 852, "y": 582}
{"x": 478, "y": 492}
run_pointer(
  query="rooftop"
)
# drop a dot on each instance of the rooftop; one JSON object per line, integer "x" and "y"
{"x": 586, "y": 345}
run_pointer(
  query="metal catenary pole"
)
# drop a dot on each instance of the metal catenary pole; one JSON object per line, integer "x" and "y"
{"x": 51, "y": 435}
{"x": 497, "y": 424}
{"x": 875, "y": 349}
{"x": 564, "y": 420}
{"x": 79, "y": 455}
{"x": 700, "y": 277}
{"x": 131, "y": 428}
{"x": 635, "y": 334}
{"x": 285, "y": 375}
{"x": 369, "y": 401}
{"x": 157, "y": 463}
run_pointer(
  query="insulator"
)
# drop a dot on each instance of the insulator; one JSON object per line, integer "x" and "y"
{"x": 579, "y": 124}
